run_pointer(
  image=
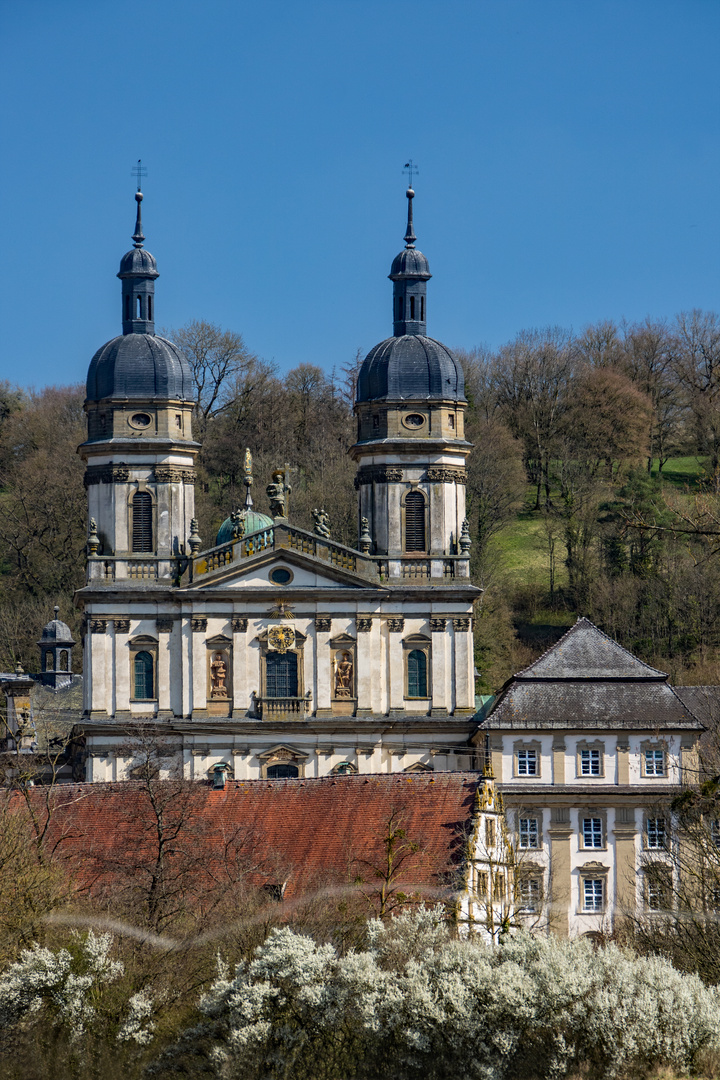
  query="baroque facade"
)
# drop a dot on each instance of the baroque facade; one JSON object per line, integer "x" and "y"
{"x": 589, "y": 746}
{"x": 278, "y": 651}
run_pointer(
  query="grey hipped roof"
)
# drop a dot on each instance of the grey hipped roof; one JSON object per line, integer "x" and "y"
{"x": 411, "y": 367}
{"x": 589, "y": 681}
{"x": 585, "y": 652}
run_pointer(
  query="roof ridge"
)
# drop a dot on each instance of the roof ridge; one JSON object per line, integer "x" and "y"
{"x": 581, "y": 622}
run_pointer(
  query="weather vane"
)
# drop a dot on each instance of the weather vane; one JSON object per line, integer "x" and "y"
{"x": 410, "y": 168}
{"x": 138, "y": 171}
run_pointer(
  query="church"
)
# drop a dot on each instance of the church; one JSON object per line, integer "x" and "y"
{"x": 271, "y": 651}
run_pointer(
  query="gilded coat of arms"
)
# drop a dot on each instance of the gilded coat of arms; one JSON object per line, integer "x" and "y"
{"x": 281, "y": 638}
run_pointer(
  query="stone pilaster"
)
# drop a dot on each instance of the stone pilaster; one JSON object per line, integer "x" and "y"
{"x": 367, "y": 671}
{"x": 440, "y": 703}
{"x": 560, "y": 871}
{"x": 625, "y": 833}
{"x": 396, "y": 690}
{"x": 558, "y": 759}
{"x": 241, "y": 690}
{"x": 323, "y": 666}
{"x": 101, "y": 692}
{"x": 164, "y": 627}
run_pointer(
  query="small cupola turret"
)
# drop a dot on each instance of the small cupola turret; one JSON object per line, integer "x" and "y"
{"x": 56, "y": 653}
{"x": 138, "y": 271}
{"x": 409, "y": 273}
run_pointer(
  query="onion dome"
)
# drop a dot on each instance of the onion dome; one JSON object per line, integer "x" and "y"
{"x": 140, "y": 366}
{"x": 138, "y": 363}
{"x": 410, "y": 365}
{"x": 56, "y": 632}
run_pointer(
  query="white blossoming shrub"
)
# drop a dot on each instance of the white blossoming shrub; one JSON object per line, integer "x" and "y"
{"x": 64, "y": 988}
{"x": 530, "y": 1008}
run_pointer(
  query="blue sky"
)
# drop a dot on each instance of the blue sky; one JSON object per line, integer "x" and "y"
{"x": 568, "y": 151}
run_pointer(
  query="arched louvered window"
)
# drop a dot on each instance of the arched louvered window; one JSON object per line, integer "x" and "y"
{"x": 143, "y": 671}
{"x": 415, "y": 521}
{"x": 142, "y": 538}
{"x": 417, "y": 674}
{"x": 282, "y": 772}
{"x": 281, "y": 675}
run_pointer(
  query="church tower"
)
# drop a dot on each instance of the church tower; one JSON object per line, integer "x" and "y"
{"x": 139, "y": 450}
{"x": 411, "y": 447}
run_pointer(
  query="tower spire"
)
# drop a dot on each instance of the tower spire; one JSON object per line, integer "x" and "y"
{"x": 410, "y": 236}
{"x": 137, "y": 236}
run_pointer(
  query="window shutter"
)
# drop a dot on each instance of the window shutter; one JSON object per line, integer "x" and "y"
{"x": 142, "y": 522}
{"x": 415, "y": 522}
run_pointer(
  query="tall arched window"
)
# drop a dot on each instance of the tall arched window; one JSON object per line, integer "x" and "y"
{"x": 281, "y": 675}
{"x": 282, "y": 772}
{"x": 142, "y": 538}
{"x": 422, "y": 309}
{"x": 139, "y": 307}
{"x": 64, "y": 660}
{"x": 412, "y": 307}
{"x": 417, "y": 674}
{"x": 415, "y": 521}
{"x": 149, "y": 304}
{"x": 143, "y": 671}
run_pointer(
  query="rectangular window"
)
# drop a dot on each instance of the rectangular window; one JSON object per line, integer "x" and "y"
{"x": 657, "y": 890}
{"x": 530, "y": 894}
{"x": 593, "y": 894}
{"x": 527, "y": 763}
{"x": 499, "y": 890}
{"x": 654, "y": 762}
{"x": 590, "y": 763}
{"x": 529, "y": 832}
{"x": 655, "y": 832}
{"x": 592, "y": 832}
{"x": 490, "y": 832}
{"x": 482, "y": 884}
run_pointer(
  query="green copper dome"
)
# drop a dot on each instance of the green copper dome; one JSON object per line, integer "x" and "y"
{"x": 250, "y": 520}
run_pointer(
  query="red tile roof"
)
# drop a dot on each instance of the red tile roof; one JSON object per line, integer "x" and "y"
{"x": 309, "y": 829}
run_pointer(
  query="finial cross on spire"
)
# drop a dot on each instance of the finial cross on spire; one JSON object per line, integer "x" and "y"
{"x": 138, "y": 171}
{"x": 410, "y": 167}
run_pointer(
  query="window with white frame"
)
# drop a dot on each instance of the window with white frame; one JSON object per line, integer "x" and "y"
{"x": 592, "y": 832}
{"x": 590, "y": 762}
{"x": 527, "y": 763}
{"x": 655, "y": 762}
{"x": 658, "y": 888}
{"x": 530, "y": 893}
{"x": 655, "y": 832}
{"x": 593, "y": 894}
{"x": 529, "y": 832}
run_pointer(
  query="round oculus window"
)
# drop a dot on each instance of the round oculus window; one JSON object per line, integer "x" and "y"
{"x": 281, "y": 576}
{"x": 413, "y": 420}
{"x": 141, "y": 420}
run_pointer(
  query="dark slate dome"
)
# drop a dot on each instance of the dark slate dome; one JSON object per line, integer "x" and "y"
{"x": 56, "y": 632}
{"x": 410, "y": 367}
{"x": 138, "y": 261}
{"x": 410, "y": 263}
{"x": 251, "y": 521}
{"x": 140, "y": 366}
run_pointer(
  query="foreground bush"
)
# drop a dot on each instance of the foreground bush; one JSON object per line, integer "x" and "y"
{"x": 415, "y": 1003}
{"x": 418, "y": 1004}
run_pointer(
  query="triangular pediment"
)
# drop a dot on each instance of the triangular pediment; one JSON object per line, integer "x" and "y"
{"x": 282, "y": 569}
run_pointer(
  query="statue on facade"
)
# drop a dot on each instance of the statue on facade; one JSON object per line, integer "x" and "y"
{"x": 321, "y": 525}
{"x": 344, "y": 676}
{"x": 218, "y": 675}
{"x": 277, "y": 492}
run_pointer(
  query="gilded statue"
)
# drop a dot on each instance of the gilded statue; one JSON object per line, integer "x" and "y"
{"x": 218, "y": 675}
{"x": 344, "y": 676}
